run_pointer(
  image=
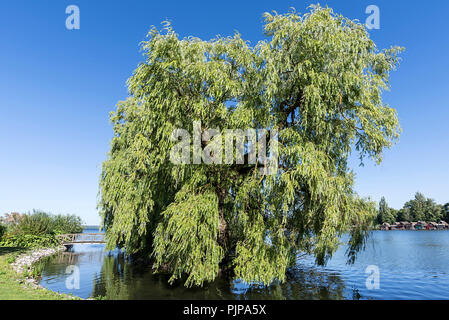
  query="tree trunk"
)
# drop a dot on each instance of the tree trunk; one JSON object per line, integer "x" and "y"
{"x": 224, "y": 237}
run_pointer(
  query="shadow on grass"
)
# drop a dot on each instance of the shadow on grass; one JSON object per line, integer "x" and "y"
{"x": 8, "y": 250}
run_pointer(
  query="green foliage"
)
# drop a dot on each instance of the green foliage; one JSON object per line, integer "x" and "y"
{"x": 318, "y": 81}
{"x": 189, "y": 228}
{"x": 422, "y": 209}
{"x": 3, "y": 229}
{"x": 37, "y": 268}
{"x": 404, "y": 215}
{"x": 445, "y": 212}
{"x": 42, "y": 223}
{"x": 36, "y": 223}
{"x": 386, "y": 214}
{"x": 64, "y": 224}
{"x": 418, "y": 209}
{"x": 29, "y": 241}
{"x": 11, "y": 259}
{"x": 38, "y": 229}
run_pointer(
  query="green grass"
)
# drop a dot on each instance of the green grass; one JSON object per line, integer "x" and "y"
{"x": 11, "y": 283}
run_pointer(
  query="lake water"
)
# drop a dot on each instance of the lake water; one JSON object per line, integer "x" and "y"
{"x": 411, "y": 264}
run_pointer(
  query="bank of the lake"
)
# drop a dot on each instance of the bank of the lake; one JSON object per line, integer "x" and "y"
{"x": 411, "y": 264}
{"x": 14, "y": 282}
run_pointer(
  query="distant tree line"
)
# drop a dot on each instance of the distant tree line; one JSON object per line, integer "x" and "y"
{"x": 418, "y": 209}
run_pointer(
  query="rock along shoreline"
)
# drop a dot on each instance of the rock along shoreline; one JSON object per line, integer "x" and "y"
{"x": 24, "y": 263}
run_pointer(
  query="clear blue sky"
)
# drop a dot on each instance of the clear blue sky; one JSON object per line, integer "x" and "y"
{"x": 57, "y": 88}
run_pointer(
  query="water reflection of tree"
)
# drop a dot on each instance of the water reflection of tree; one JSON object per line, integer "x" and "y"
{"x": 111, "y": 282}
{"x": 119, "y": 279}
{"x": 301, "y": 284}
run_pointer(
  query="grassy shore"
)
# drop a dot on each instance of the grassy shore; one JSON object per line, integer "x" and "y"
{"x": 13, "y": 286}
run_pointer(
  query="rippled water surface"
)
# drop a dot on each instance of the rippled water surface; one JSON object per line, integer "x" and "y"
{"x": 412, "y": 265}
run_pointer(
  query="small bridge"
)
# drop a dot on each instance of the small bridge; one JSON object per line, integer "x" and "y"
{"x": 80, "y": 238}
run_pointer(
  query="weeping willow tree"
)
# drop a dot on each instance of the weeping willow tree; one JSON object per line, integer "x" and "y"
{"x": 317, "y": 80}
